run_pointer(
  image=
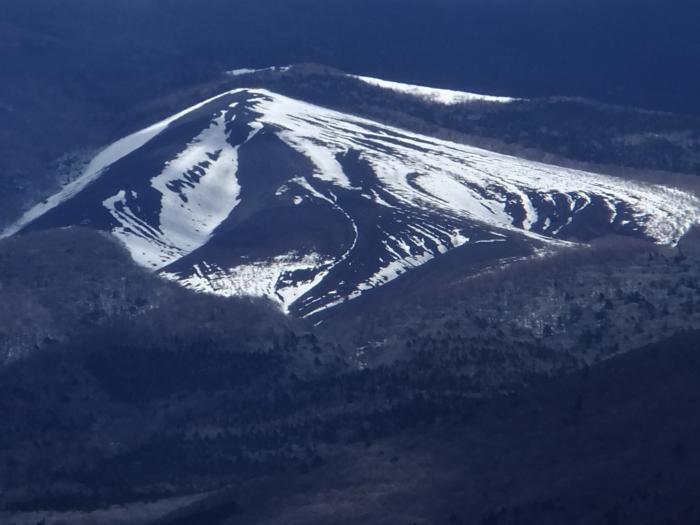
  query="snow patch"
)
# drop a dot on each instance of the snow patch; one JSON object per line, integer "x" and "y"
{"x": 247, "y": 71}
{"x": 264, "y": 278}
{"x": 447, "y": 97}
{"x": 198, "y": 190}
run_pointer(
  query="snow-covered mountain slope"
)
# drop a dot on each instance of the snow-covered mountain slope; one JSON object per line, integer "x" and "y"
{"x": 253, "y": 193}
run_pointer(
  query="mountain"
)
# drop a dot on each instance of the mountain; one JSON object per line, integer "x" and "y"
{"x": 254, "y": 193}
{"x": 399, "y": 262}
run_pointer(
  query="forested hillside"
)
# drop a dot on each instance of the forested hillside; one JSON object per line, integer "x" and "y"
{"x": 156, "y": 393}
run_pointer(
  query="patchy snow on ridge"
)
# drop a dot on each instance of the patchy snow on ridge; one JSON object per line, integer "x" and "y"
{"x": 447, "y": 97}
{"x": 198, "y": 191}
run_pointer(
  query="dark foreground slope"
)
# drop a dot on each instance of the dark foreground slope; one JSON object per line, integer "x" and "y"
{"x": 62, "y": 284}
{"x": 185, "y": 395}
{"x": 613, "y": 444}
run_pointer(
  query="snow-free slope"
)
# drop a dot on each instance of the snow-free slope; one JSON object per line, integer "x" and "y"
{"x": 254, "y": 193}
